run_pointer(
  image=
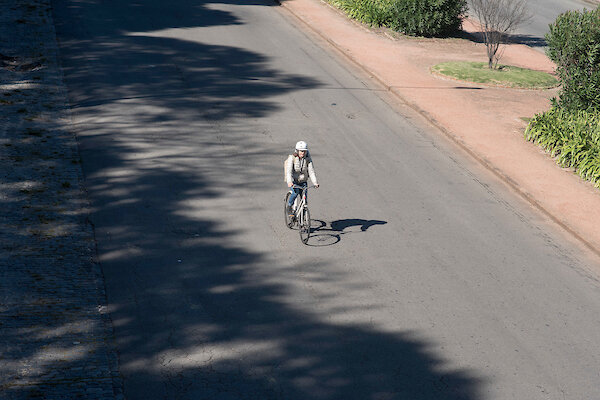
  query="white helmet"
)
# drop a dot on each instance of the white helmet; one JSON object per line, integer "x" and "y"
{"x": 301, "y": 145}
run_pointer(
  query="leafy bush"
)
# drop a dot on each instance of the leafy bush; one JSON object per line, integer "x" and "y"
{"x": 371, "y": 12}
{"x": 412, "y": 17}
{"x": 574, "y": 45}
{"x": 573, "y": 137}
{"x": 427, "y": 17}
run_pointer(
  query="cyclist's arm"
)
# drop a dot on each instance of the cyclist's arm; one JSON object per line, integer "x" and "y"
{"x": 289, "y": 166}
{"x": 312, "y": 174}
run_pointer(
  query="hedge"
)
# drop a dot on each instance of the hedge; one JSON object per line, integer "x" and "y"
{"x": 412, "y": 17}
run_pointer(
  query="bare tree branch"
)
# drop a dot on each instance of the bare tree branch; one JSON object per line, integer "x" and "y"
{"x": 498, "y": 19}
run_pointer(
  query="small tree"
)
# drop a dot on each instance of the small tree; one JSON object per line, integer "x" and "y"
{"x": 498, "y": 19}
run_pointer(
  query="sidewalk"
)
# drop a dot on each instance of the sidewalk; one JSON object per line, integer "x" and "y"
{"x": 55, "y": 335}
{"x": 487, "y": 122}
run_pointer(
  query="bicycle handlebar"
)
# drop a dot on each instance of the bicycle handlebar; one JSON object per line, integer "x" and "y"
{"x": 294, "y": 186}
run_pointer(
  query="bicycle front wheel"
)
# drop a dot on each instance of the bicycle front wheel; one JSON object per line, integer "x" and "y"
{"x": 288, "y": 220}
{"x": 305, "y": 225}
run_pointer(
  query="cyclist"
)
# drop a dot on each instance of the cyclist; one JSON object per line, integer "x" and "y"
{"x": 298, "y": 168}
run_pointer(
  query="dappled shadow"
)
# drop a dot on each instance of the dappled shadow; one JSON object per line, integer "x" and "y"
{"x": 50, "y": 289}
{"x": 198, "y": 312}
{"x": 190, "y": 79}
{"x": 123, "y": 53}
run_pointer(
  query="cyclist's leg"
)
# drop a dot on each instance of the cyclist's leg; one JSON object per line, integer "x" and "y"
{"x": 300, "y": 191}
{"x": 293, "y": 195}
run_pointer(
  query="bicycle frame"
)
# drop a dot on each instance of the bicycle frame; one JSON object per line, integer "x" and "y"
{"x": 301, "y": 214}
{"x": 301, "y": 202}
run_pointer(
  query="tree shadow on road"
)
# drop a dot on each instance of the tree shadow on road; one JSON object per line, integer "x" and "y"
{"x": 197, "y": 313}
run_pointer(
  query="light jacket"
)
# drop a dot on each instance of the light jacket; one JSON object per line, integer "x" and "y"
{"x": 298, "y": 170}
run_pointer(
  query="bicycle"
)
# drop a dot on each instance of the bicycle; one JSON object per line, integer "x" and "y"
{"x": 301, "y": 214}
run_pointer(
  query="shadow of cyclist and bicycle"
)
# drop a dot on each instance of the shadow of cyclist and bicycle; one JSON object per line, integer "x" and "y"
{"x": 328, "y": 234}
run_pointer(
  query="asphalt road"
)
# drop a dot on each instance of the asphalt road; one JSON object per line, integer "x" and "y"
{"x": 425, "y": 277}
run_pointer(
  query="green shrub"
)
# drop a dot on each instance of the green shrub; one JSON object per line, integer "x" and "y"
{"x": 371, "y": 12}
{"x": 573, "y": 137}
{"x": 574, "y": 45}
{"x": 427, "y": 17}
{"x": 411, "y": 17}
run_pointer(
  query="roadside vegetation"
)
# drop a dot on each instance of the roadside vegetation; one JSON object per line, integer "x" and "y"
{"x": 570, "y": 130}
{"x": 498, "y": 19}
{"x": 429, "y": 18}
{"x": 502, "y": 75}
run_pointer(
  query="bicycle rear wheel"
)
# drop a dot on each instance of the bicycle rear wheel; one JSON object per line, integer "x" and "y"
{"x": 304, "y": 225}
{"x": 288, "y": 220}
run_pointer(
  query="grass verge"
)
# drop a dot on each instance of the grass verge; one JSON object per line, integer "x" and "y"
{"x": 504, "y": 76}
